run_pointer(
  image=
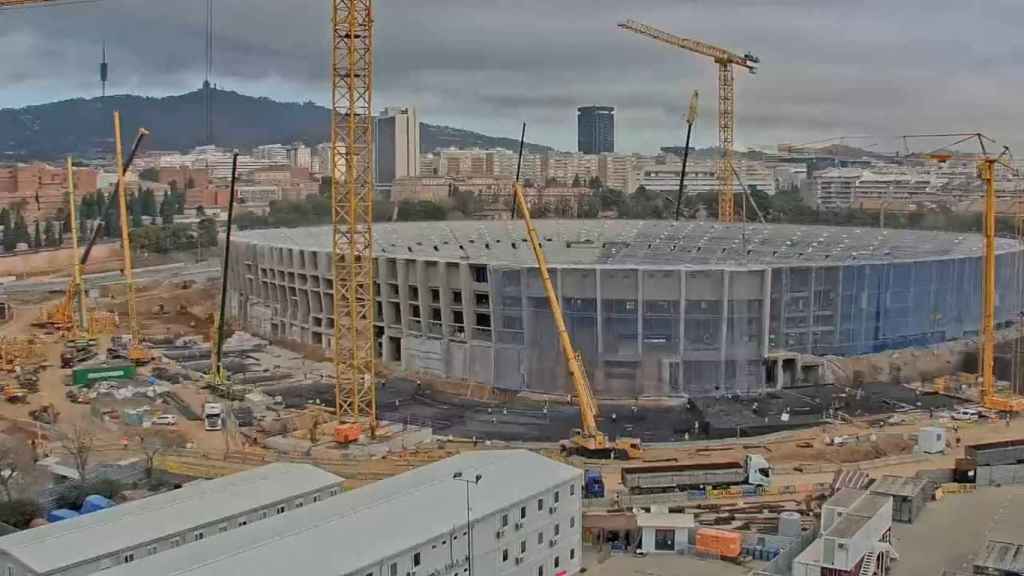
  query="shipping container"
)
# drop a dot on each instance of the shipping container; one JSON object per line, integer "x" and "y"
{"x": 93, "y": 374}
{"x": 724, "y": 543}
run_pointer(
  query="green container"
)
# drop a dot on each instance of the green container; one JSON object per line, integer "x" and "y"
{"x": 89, "y": 376}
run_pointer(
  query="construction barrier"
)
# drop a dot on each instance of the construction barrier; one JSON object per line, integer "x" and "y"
{"x": 957, "y": 488}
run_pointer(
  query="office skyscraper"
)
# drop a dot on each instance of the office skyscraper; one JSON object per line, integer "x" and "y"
{"x": 396, "y": 146}
{"x": 595, "y": 129}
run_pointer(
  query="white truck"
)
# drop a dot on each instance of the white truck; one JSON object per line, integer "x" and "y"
{"x": 753, "y": 470}
{"x": 213, "y": 416}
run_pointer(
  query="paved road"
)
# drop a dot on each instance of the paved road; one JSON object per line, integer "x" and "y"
{"x": 165, "y": 272}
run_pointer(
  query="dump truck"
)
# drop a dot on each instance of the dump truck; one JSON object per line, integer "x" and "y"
{"x": 213, "y": 416}
{"x": 753, "y": 470}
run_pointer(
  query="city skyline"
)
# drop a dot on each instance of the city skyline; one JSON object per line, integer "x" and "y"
{"x": 822, "y": 74}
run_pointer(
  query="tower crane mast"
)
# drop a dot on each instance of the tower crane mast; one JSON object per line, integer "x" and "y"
{"x": 352, "y": 216}
{"x": 725, "y": 60}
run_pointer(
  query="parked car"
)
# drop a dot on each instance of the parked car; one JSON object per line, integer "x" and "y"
{"x": 165, "y": 420}
{"x": 966, "y": 415}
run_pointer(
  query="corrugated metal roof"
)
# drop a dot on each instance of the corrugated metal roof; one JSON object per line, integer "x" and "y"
{"x": 1005, "y": 556}
{"x": 84, "y": 538}
{"x": 362, "y": 527}
{"x": 845, "y": 498}
{"x": 857, "y": 515}
{"x": 898, "y": 486}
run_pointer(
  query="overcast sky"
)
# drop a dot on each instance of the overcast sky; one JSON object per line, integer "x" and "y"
{"x": 828, "y": 67}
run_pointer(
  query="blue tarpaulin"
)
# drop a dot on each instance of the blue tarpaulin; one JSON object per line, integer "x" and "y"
{"x": 60, "y": 514}
{"x": 95, "y": 502}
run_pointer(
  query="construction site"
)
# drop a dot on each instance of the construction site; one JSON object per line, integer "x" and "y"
{"x": 664, "y": 396}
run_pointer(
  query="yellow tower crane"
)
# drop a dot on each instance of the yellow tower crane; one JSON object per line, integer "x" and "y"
{"x": 987, "y": 164}
{"x": 352, "y": 216}
{"x": 726, "y": 101}
{"x": 76, "y": 290}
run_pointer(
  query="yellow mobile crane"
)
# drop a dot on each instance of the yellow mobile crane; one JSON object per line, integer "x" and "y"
{"x": 137, "y": 352}
{"x": 587, "y": 440}
{"x": 726, "y": 100}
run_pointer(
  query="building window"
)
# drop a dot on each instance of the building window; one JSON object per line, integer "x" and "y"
{"x": 522, "y": 547}
{"x": 298, "y": 504}
{"x": 665, "y": 540}
{"x": 393, "y": 569}
{"x": 572, "y": 521}
{"x": 556, "y": 496}
{"x": 316, "y": 497}
{"x": 281, "y": 509}
{"x": 556, "y": 561}
{"x": 556, "y": 530}
{"x": 540, "y": 538}
{"x": 504, "y": 520}
{"x": 415, "y": 557}
{"x": 10, "y": 571}
{"x": 572, "y": 551}
{"x": 504, "y": 553}
{"x": 263, "y": 513}
{"x": 242, "y": 522}
{"x": 129, "y": 557}
{"x": 151, "y": 550}
{"x": 522, "y": 513}
{"x": 197, "y": 536}
{"x": 222, "y": 528}
{"x": 540, "y": 504}
{"x": 333, "y": 492}
{"x": 540, "y": 570}
{"x": 175, "y": 542}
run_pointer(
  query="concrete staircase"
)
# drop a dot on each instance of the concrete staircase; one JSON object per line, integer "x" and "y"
{"x": 867, "y": 568}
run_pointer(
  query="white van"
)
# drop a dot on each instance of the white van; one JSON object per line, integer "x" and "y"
{"x": 966, "y": 415}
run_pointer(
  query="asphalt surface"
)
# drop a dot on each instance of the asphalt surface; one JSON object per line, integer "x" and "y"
{"x": 402, "y": 400}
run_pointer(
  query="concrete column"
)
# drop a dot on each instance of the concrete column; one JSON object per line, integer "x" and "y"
{"x": 424, "y": 301}
{"x": 442, "y": 269}
{"x": 682, "y": 327}
{"x": 725, "y": 328}
{"x": 403, "y": 292}
{"x": 639, "y": 329}
{"x": 600, "y": 318}
{"x": 766, "y": 312}
{"x": 386, "y": 315}
{"x": 527, "y": 326}
{"x": 810, "y": 313}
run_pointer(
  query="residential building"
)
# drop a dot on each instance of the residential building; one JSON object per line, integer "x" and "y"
{"x": 566, "y": 167}
{"x": 199, "y": 512}
{"x": 702, "y": 177}
{"x": 835, "y": 188}
{"x": 595, "y": 126}
{"x": 396, "y": 146}
{"x": 523, "y": 520}
{"x": 42, "y": 189}
{"x": 300, "y": 155}
{"x": 182, "y": 175}
{"x": 211, "y": 196}
{"x": 272, "y": 153}
{"x": 432, "y": 188}
{"x": 622, "y": 171}
{"x": 855, "y": 540}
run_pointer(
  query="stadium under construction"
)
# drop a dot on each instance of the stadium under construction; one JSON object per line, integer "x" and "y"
{"x": 657, "y": 308}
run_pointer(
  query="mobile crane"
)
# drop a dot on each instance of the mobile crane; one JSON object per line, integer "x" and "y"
{"x": 587, "y": 440}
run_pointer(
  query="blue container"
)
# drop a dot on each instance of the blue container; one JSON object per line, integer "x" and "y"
{"x": 95, "y": 502}
{"x": 60, "y": 514}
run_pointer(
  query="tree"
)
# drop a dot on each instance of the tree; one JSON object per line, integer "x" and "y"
{"x": 325, "y": 186}
{"x": 576, "y": 182}
{"x": 20, "y": 512}
{"x": 200, "y": 212}
{"x": 148, "y": 202}
{"x": 37, "y": 235}
{"x": 50, "y": 235}
{"x": 207, "y": 230}
{"x": 464, "y": 201}
{"x": 167, "y": 209}
{"x": 153, "y": 441}
{"x": 150, "y": 174}
{"x": 79, "y": 443}
{"x": 409, "y": 210}
{"x": 16, "y": 467}
{"x": 5, "y": 217}
{"x": 21, "y": 235}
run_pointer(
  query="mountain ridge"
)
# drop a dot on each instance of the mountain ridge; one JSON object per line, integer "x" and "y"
{"x": 82, "y": 126}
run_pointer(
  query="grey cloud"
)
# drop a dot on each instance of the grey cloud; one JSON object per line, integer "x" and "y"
{"x": 830, "y": 67}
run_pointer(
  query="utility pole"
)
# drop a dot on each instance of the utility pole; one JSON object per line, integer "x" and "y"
{"x": 469, "y": 522}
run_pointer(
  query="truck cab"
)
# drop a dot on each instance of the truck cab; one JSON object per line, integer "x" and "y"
{"x": 213, "y": 416}
{"x": 593, "y": 484}
{"x": 759, "y": 471}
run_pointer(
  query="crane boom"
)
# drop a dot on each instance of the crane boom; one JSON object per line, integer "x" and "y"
{"x": 577, "y": 373}
{"x": 726, "y": 101}
{"x": 77, "y": 288}
{"x": 720, "y": 55}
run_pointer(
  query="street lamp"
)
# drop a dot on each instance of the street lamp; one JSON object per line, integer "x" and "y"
{"x": 469, "y": 526}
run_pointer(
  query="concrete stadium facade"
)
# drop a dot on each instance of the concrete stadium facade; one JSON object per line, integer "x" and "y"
{"x": 657, "y": 308}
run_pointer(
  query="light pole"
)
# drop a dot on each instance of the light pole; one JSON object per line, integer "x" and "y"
{"x": 469, "y": 526}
